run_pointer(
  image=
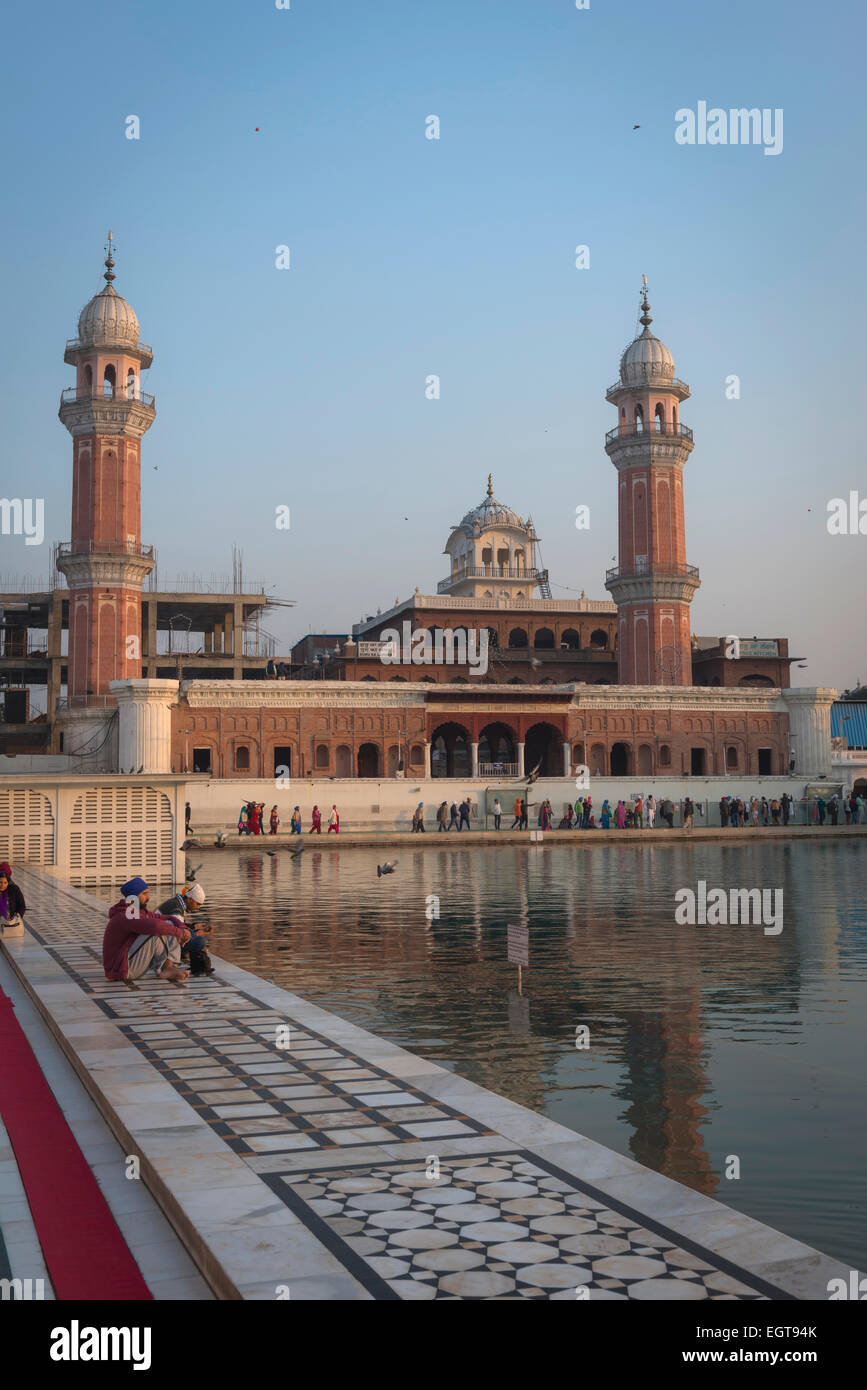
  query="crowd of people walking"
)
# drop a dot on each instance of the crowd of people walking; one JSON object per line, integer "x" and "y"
{"x": 636, "y": 813}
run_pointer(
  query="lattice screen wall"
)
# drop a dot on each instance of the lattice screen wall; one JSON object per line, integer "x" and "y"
{"x": 26, "y": 827}
{"x": 121, "y": 831}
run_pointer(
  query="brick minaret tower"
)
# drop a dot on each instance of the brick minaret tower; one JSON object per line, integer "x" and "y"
{"x": 104, "y": 562}
{"x": 653, "y": 585}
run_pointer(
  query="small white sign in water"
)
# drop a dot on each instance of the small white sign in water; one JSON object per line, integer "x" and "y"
{"x": 519, "y": 945}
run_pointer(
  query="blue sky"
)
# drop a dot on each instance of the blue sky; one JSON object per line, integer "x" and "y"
{"x": 411, "y": 257}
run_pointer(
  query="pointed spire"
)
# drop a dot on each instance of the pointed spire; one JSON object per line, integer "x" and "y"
{"x": 109, "y": 261}
{"x": 645, "y": 317}
{"x": 490, "y": 485}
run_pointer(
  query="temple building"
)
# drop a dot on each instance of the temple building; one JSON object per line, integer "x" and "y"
{"x": 488, "y": 678}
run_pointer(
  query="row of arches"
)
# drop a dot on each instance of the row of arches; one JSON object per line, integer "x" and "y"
{"x": 370, "y": 760}
{"x": 451, "y": 749}
{"x": 109, "y": 382}
{"x": 659, "y": 419}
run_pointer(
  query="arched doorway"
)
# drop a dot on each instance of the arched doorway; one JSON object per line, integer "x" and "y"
{"x": 645, "y": 759}
{"x": 392, "y": 760}
{"x": 450, "y": 751}
{"x": 543, "y": 747}
{"x": 368, "y": 760}
{"x": 621, "y": 760}
{"x": 544, "y": 639}
{"x": 344, "y": 761}
{"x": 497, "y": 755}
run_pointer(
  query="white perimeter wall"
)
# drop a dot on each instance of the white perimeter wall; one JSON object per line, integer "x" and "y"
{"x": 388, "y": 805}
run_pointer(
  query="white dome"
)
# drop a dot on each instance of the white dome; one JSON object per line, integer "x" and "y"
{"x": 646, "y": 359}
{"x": 491, "y": 513}
{"x": 108, "y": 320}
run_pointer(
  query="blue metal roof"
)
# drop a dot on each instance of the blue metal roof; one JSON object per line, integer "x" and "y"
{"x": 849, "y": 719}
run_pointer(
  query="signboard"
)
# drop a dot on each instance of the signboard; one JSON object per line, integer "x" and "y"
{"x": 370, "y": 649}
{"x": 519, "y": 945}
{"x": 750, "y": 646}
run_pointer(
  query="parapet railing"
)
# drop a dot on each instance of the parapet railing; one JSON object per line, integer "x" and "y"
{"x": 629, "y": 430}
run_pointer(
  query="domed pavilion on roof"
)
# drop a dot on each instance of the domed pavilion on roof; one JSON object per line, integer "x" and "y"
{"x": 493, "y": 554}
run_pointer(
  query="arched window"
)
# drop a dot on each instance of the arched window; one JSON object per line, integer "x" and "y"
{"x": 659, "y": 415}
{"x": 544, "y": 638}
{"x": 518, "y": 637}
{"x": 368, "y": 678}
{"x": 131, "y": 392}
{"x": 664, "y": 755}
{"x": 639, "y": 419}
{"x": 88, "y": 377}
{"x": 599, "y": 639}
{"x": 427, "y": 680}
{"x": 731, "y": 758}
{"x": 416, "y": 755}
{"x": 519, "y": 560}
{"x": 398, "y": 678}
{"x": 108, "y": 383}
{"x": 321, "y": 755}
{"x": 487, "y": 558}
{"x": 570, "y": 641}
{"x": 242, "y": 758}
{"x": 622, "y": 419}
{"x": 502, "y": 559}
{"x": 516, "y": 680}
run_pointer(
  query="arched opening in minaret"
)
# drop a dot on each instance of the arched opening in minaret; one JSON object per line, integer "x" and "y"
{"x": 487, "y": 559}
{"x": 518, "y": 637}
{"x": 503, "y": 559}
{"x": 109, "y": 382}
{"x": 621, "y": 758}
{"x": 659, "y": 417}
{"x": 623, "y": 419}
{"x": 543, "y": 748}
{"x": 599, "y": 639}
{"x": 519, "y": 561}
{"x": 570, "y": 641}
{"x": 131, "y": 385}
{"x": 544, "y": 639}
{"x": 639, "y": 419}
{"x": 674, "y": 417}
{"x": 88, "y": 378}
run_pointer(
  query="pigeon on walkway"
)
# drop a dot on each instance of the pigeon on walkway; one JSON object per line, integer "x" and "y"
{"x": 221, "y": 840}
{"x": 191, "y": 874}
{"x": 388, "y": 868}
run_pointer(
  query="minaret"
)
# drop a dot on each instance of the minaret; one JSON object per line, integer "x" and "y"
{"x": 653, "y": 585}
{"x": 104, "y": 562}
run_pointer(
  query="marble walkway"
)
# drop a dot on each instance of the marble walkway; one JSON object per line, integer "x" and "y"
{"x": 299, "y": 1156}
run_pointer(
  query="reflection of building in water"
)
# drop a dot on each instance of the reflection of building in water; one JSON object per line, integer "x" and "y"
{"x": 604, "y": 951}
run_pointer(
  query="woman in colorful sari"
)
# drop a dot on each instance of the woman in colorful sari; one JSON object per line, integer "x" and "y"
{"x": 243, "y": 827}
{"x": 605, "y": 817}
{"x": 295, "y": 822}
{"x": 275, "y": 820}
{"x": 316, "y": 824}
{"x": 621, "y": 816}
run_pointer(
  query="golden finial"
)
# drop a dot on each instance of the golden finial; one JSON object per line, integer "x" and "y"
{"x": 645, "y": 317}
{"x": 490, "y": 485}
{"x": 109, "y": 260}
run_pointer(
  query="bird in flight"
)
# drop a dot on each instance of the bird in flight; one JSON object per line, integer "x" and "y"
{"x": 636, "y": 127}
{"x": 387, "y": 868}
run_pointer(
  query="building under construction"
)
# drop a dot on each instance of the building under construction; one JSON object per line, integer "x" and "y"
{"x": 191, "y": 629}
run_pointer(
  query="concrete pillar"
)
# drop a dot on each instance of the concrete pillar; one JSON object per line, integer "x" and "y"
{"x": 218, "y": 637}
{"x": 810, "y": 729}
{"x": 152, "y": 635}
{"x": 474, "y": 766}
{"x": 144, "y": 724}
{"x": 567, "y": 758}
{"x": 427, "y": 763}
{"x": 520, "y": 751}
{"x": 229, "y": 629}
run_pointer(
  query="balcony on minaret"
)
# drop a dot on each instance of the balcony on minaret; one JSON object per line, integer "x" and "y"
{"x": 645, "y": 568}
{"x": 636, "y": 428}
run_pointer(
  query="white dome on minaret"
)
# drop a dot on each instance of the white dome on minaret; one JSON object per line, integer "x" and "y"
{"x": 647, "y": 359}
{"x": 107, "y": 320}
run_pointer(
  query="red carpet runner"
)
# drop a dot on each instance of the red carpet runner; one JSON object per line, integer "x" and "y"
{"x": 86, "y": 1255}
